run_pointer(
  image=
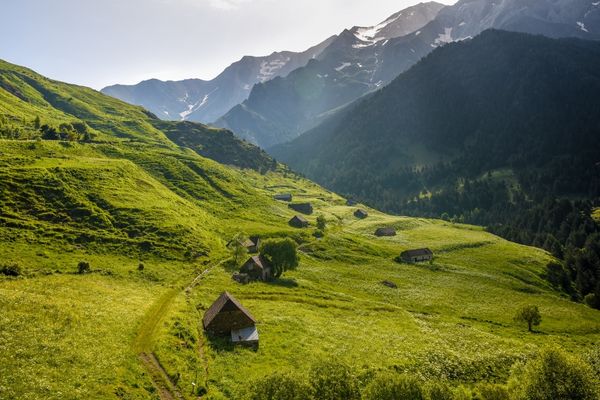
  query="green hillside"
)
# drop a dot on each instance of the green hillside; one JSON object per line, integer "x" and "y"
{"x": 152, "y": 220}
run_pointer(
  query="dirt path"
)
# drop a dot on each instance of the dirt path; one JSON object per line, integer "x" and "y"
{"x": 142, "y": 343}
{"x": 167, "y": 390}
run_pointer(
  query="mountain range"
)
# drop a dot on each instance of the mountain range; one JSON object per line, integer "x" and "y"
{"x": 205, "y": 101}
{"x": 281, "y": 109}
{"x": 513, "y": 114}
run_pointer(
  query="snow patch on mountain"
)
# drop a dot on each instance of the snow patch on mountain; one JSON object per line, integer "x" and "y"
{"x": 344, "y": 65}
{"x": 444, "y": 38}
{"x": 268, "y": 69}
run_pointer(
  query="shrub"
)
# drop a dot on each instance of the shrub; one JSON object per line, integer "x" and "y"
{"x": 141, "y": 267}
{"x": 439, "y": 391}
{"x": 83, "y": 267}
{"x": 463, "y": 393}
{"x": 280, "y": 387}
{"x": 553, "y": 375}
{"x": 390, "y": 386}
{"x": 488, "y": 391}
{"x": 321, "y": 222}
{"x": 13, "y": 269}
{"x": 319, "y": 233}
{"x": 333, "y": 381}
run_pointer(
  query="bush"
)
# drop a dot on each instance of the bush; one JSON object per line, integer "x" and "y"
{"x": 487, "y": 391}
{"x": 280, "y": 387}
{"x": 333, "y": 381}
{"x": 83, "y": 267}
{"x": 321, "y": 222}
{"x": 13, "y": 269}
{"x": 390, "y": 386}
{"x": 319, "y": 234}
{"x": 141, "y": 267}
{"x": 553, "y": 375}
{"x": 439, "y": 391}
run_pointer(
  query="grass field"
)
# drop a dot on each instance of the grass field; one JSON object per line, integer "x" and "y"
{"x": 153, "y": 220}
{"x": 64, "y": 335}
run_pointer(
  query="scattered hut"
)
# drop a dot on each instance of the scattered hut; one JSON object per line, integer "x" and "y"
{"x": 257, "y": 268}
{"x": 298, "y": 222}
{"x": 389, "y": 284}
{"x": 252, "y": 244}
{"x": 385, "y": 232}
{"x": 360, "y": 213}
{"x": 304, "y": 208}
{"x": 416, "y": 255}
{"x": 226, "y": 316}
{"x": 283, "y": 197}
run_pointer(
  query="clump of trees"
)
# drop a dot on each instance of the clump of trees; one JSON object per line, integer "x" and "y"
{"x": 530, "y": 315}
{"x": 281, "y": 254}
{"x": 551, "y": 374}
{"x": 74, "y": 131}
{"x": 554, "y": 375}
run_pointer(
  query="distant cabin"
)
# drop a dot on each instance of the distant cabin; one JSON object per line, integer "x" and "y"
{"x": 304, "y": 208}
{"x": 385, "y": 232}
{"x": 298, "y": 222}
{"x": 283, "y": 197}
{"x": 416, "y": 255}
{"x": 227, "y": 317}
{"x": 252, "y": 244}
{"x": 257, "y": 269}
{"x": 350, "y": 202}
{"x": 360, "y": 213}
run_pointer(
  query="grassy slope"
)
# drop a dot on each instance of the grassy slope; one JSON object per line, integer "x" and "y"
{"x": 117, "y": 203}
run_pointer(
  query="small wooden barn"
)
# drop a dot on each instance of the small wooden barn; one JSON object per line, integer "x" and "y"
{"x": 283, "y": 197}
{"x": 360, "y": 213}
{"x": 416, "y": 255}
{"x": 298, "y": 222}
{"x": 385, "y": 232}
{"x": 226, "y": 316}
{"x": 252, "y": 244}
{"x": 304, "y": 208}
{"x": 257, "y": 268}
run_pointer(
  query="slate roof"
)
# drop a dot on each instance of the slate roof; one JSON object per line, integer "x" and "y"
{"x": 218, "y": 305}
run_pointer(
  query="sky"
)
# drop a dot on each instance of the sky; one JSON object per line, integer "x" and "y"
{"x": 102, "y": 42}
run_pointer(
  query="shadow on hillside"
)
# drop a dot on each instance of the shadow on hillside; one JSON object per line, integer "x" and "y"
{"x": 284, "y": 282}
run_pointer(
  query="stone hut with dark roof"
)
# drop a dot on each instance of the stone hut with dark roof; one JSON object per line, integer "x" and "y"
{"x": 257, "y": 268}
{"x": 416, "y": 255}
{"x": 385, "y": 232}
{"x": 283, "y": 197}
{"x": 304, "y": 208}
{"x": 360, "y": 213}
{"x": 225, "y": 315}
{"x": 298, "y": 222}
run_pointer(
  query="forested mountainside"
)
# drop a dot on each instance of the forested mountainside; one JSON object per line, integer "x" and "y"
{"x": 205, "y": 101}
{"x": 281, "y": 109}
{"x": 488, "y": 131}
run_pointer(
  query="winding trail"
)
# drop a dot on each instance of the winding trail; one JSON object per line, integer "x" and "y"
{"x": 143, "y": 342}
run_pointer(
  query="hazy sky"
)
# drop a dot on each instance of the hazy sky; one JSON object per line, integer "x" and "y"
{"x": 101, "y": 42}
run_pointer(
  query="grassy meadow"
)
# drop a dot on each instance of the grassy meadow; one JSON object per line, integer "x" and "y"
{"x": 65, "y": 335}
{"x": 152, "y": 219}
